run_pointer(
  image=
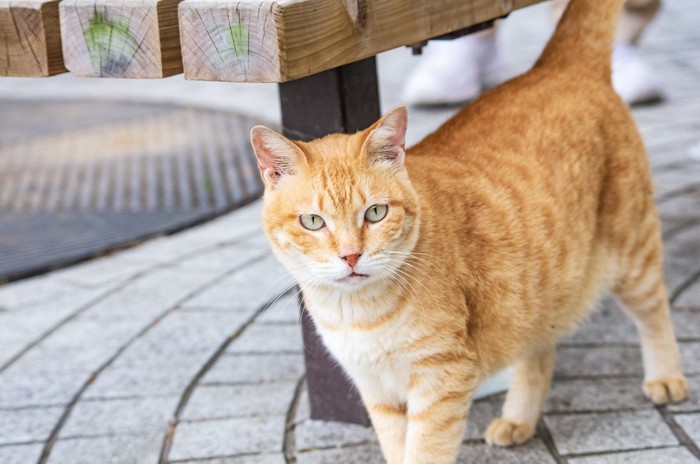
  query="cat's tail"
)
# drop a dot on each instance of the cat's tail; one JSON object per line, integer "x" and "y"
{"x": 583, "y": 39}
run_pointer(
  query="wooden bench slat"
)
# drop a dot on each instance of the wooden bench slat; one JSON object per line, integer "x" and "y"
{"x": 30, "y": 40}
{"x": 121, "y": 38}
{"x": 281, "y": 40}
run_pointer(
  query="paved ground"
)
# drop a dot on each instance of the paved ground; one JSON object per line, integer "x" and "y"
{"x": 162, "y": 354}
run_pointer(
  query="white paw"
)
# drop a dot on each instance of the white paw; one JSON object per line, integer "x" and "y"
{"x": 502, "y": 432}
{"x": 666, "y": 390}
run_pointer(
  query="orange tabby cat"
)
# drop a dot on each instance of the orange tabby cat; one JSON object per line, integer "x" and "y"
{"x": 428, "y": 270}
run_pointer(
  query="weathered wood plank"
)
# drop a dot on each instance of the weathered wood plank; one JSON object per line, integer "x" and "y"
{"x": 121, "y": 38}
{"x": 30, "y": 41}
{"x": 281, "y": 40}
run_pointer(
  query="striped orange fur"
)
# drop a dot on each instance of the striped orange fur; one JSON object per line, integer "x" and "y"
{"x": 501, "y": 231}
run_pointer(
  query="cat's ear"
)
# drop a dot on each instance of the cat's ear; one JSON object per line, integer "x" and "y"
{"x": 386, "y": 142}
{"x": 277, "y": 155}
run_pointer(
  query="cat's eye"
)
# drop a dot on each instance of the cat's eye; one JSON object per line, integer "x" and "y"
{"x": 376, "y": 213}
{"x": 311, "y": 221}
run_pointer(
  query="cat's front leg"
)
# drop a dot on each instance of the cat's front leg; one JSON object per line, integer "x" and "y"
{"x": 390, "y": 422}
{"x": 387, "y": 410}
{"x": 440, "y": 391}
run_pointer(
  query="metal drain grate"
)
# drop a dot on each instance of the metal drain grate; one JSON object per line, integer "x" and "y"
{"x": 113, "y": 163}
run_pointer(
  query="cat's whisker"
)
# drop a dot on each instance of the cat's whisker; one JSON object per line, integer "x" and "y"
{"x": 413, "y": 255}
{"x": 305, "y": 273}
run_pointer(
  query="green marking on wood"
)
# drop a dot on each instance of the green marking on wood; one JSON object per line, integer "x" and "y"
{"x": 235, "y": 41}
{"x": 111, "y": 45}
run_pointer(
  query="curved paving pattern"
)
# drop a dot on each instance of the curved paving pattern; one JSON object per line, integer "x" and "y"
{"x": 186, "y": 349}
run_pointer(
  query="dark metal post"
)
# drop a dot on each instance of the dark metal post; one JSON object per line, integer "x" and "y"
{"x": 344, "y": 99}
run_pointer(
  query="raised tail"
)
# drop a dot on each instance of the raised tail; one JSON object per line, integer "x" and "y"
{"x": 583, "y": 39}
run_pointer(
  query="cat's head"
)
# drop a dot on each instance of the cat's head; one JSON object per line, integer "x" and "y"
{"x": 340, "y": 211}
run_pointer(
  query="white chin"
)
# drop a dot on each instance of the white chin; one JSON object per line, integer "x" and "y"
{"x": 351, "y": 281}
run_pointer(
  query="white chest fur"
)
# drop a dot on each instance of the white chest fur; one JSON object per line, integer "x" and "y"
{"x": 373, "y": 354}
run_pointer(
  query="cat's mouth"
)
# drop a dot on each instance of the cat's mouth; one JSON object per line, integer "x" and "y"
{"x": 352, "y": 277}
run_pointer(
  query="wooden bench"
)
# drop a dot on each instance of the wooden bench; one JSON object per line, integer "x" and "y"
{"x": 320, "y": 52}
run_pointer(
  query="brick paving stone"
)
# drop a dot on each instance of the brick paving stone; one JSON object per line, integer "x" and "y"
{"x": 616, "y": 360}
{"x": 165, "y": 250}
{"x": 28, "y": 323}
{"x": 691, "y": 425}
{"x": 686, "y": 324}
{"x": 602, "y": 394}
{"x": 675, "y": 455}
{"x": 139, "y": 306}
{"x": 27, "y": 425}
{"x": 20, "y": 454}
{"x": 606, "y": 324}
{"x": 31, "y": 389}
{"x": 152, "y": 294}
{"x": 532, "y": 452}
{"x": 256, "y": 368}
{"x": 598, "y": 361}
{"x": 31, "y": 292}
{"x": 303, "y": 411}
{"x": 674, "y": 180}
{"x": 283, "y": 311}
{"x": 179, "y": 283}
{"x": 681, "y": 256}
{"x": 361, "y": 454}
{"x": 240, "y": 225}
{"x": 224, "y": 401}
{"x": 164, "y": 360}
{"x": 143, "y": 382}
{"x": 690, "y": 298}
{"x": 228, "y": 437}
{"x": 268, "y": 339}
{"x": 690, "y": 356}
{"x": 108, "y": 271}
{"x": 619, "y": 431}
{"x": 10, "y": 350}
{"x": 181, "y": 334}
{"x": 119, "y": 416}
{"x": 692, "y": 403}
{"x": 223, "y": 258}
{"x": 276, "y": 458}
{"x": 682, "y": 208}
{"x": 672, "y": 225}
{"x": 313, "y": 434}
{"x": 65, "y": 350}
{"x": 143, "y": 447}
{"x": 253, "y": 286}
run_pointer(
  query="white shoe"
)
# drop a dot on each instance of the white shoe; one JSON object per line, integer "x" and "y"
{"x": 632, "y": 77}
{"x": 452, "y": 71}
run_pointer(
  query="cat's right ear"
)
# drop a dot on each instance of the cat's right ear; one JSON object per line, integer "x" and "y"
{"x": 386, "y": 142}
{"x": 277, "y": 155}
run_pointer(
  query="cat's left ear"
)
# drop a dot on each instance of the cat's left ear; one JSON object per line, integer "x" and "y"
{"x": 386, "y": 142}
{"x": 277, "y": 155}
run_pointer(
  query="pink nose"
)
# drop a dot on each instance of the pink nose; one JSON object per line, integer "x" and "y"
{"x": 351, "y": 259}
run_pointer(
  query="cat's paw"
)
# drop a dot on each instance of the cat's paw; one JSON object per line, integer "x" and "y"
{"x": 666, "y": 390}
{"x": 503, "y": 432}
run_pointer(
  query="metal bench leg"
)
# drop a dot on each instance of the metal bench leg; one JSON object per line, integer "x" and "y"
{"x": 344, "y": 99}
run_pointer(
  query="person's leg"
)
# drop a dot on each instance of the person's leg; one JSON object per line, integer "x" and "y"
{"x": 634, "y": 19}
{"x": 452, "y": 71}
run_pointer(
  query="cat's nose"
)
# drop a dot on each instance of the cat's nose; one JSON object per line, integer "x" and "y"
{"x": 351, "y": 259}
